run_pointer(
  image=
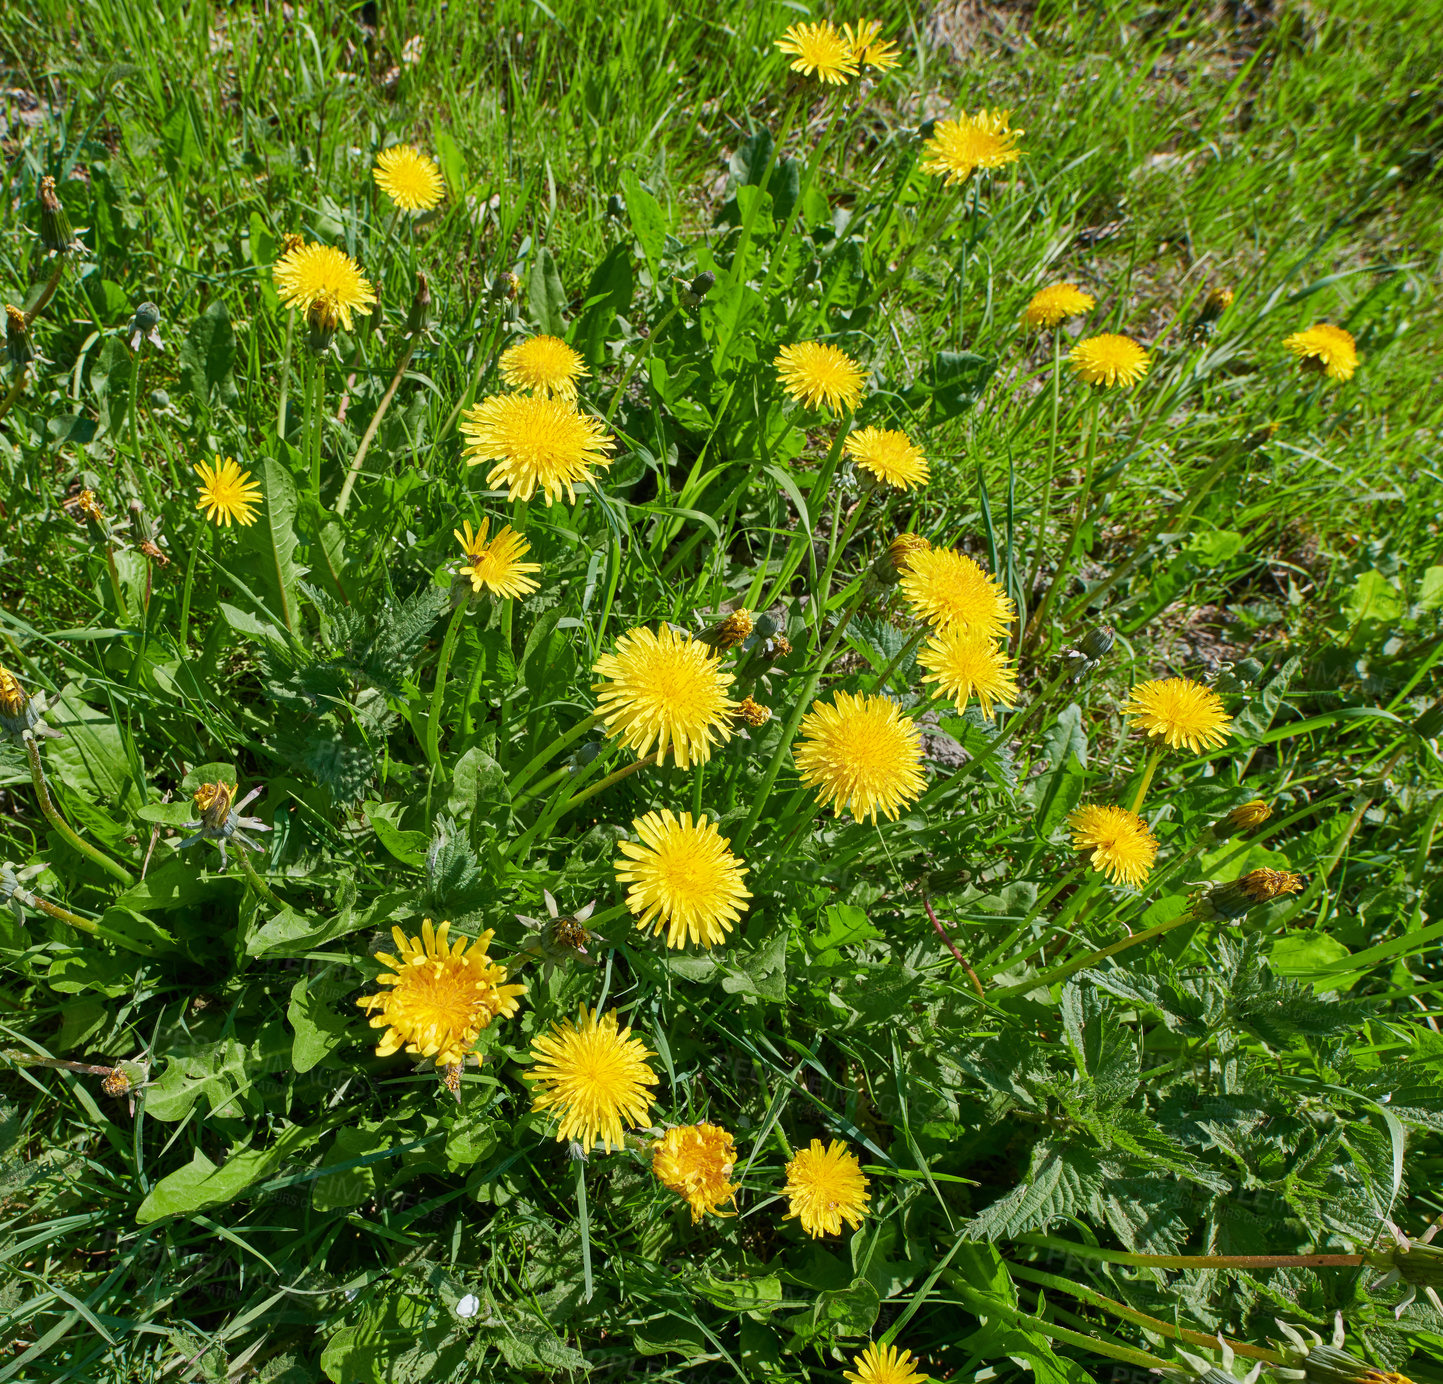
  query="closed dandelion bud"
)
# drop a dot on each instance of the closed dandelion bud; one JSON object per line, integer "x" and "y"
{"x": 322, "y": 319}
{"x": 752, "y": 714}
{"x": 143, "y": 327}
{"x": 419, "y": 318}
{"x": 55, "y": 231}
{"x": 19, "y": 711}
{"x": 1235, "y": 899}
{"x": 18, "y": 345}
{"x": 506, "y": 287}
{"x": 1325, "y": 1364}
{"x": 892, "y": 565}
{"x": 616, "y": 206}
{"x": 1246, "y": 816}
{"x": 1430, "y": 724}
{"x": 1097, "y": 642}
{"x": 728, "y": 632}
{"x": 703, "y": 283}
{"x": 1218, "y": 301}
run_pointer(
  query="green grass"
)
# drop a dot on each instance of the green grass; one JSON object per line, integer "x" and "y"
{"x": 282, "y": 1204}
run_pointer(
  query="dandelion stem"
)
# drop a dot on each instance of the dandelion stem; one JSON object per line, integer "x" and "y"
{"x": 1059, "y": 578}
{"x": 344, "y": 498}
{"x": 637, "y": 357}
{"x": 285, "y": 374}
{"x": 432, "y": 738}
{"x": 318, "y": 424}
{"x": 1196, "y": 1261}
{"x": 952, "y": 947}
{"x": 880, "y": 685}
{"x": 52, "y": 815}
{"x": 54, "y": 910}
{"x": 259, "y": 886}
{"x": 608, "y": 781}
{"x": 1044, "y": 509}
{"x": 15, "y": 389}
{"x": 520, "y": 779}
{"x": 1153, "y": 760}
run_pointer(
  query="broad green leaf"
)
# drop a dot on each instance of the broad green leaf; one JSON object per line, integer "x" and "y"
{"x": 318, "y": 1028}
{"x": 545, "y": 298}
{"x": 201, "y": 1184}
{"x": 647, "y": 220}
{"x": 273, "y": 538}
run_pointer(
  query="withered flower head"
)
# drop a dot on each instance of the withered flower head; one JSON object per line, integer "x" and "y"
{"x": 729, "y": 631}
{"x": 752, "y": 714}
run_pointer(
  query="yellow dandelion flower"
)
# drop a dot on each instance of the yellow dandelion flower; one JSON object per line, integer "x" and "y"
{"x": 945, "y": 587}
{"x": 1183, "y": 712}
{"x": 820, "y": 49}
{"x": 885, "y": 1365}
{"x": 683, "y": 877}
{"x": 862, "y": 755}
{"x": 496, "y": 565}
{"x": 812, "y": 373}
{"x": 696, "y": 1162}
{"x": 895, "y": 558}
{"x": 408, "y": 178}
{"x": 1120, "y": 843}
{"x": 13, "y": 697}
{"x": 543, "y": 365}
{"x": 968, "y": 663}
{"x": 1108, "y": 360}
{"x": 536, "y": 442}
{"x": 889, "y": 455}
{"x": 593, "y": 1076}
{"x": 826, "y": 1186}
{"x": 227, "y": 492}
{"x": 869, "y": 48}
{"x": 1325, "y": 348}
{"x": 313, "y": 274}
{"x": 958, "y": 148}
{"x": 1055, "y": 304}
{"x": 664, "y": 688}
{"x": 1247, "y": 815}
{"x": 440, "y": 996}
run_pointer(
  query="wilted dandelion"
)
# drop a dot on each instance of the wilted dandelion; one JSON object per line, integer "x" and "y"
{"x": 1054, "y": 304}
{"x": 732, "y": 630}
{"x": 227, "y": 492}
{"x": 696, "y": 1162}
{"x": 536, "y": 442}
{"x": 408, "y": 178}
{"x": 945, "y": 587}
{"x": 593, "y": 1076}
{"x": 826, "y": 1186}
{"x": 1108, "y": 360}
{"x": 1120, "y": 843}
{"x": 1234, "y": 899}
{"x": 884, "y": 1365}
{"x": 814, "y": 373}
{"x": 819, "y": 49}
{"x": 753, "y": 714}
{"x": 969, "y": 663}
{"x": 664, "y": 688}
{"x": 440, "y": 995}
{"x": 861, "y": 754}
{"x": 496, "y": 565}
{"x": 311, "y": 274}
{"x": 1181, "y": 711}
{"x": 958, "y": 148}
{"x": 889, "y": 456}
{"x": 543, "y": 365}
{"x": 1326, "y": 349}
{"x": 683, "y": 878}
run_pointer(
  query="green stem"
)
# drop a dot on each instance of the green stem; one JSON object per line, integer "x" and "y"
{"x": 1198, "y": 1261}
{"x": 1059, "y": 578}
{"x": 54, "y": 910}
{"x": 1044, "y": 511}
{"x": 344, "y": 498}
{"x": 317, "y": 424}
{"x": 285, "y": 375}
{"x": 535, "y": 791}
{"x": 520, "y": 779}
{"x": 1153, "y": 760}
{"x": 438, "y": 691}
{"x": 606, "y": 783}
{"x": 14, "y": 391}
{"x": 881, "y": 683}
{"x": 52, "y": 815}
{"x": 636, "y": 359}
{"x": 839, "y": 545}
{"x": 259, "y": 886}
{"x": 784, "y": 745}
{"x": 185, "y": 592}
{"x": 48, "y": 292}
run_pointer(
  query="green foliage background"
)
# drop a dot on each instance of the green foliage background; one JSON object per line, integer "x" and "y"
{"x": 279, "y": 1203}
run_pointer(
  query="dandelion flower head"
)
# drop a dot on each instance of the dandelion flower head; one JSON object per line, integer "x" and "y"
{"x": 1054, "y": 304}
{"x": 664, "y": 688}
{"x": 496, "y": 565}
{"x": 814, "y": 373}
{"x": 1108, "y": 360}
{"x": 958, "y": 148}
{"x": 1120, "y": 843}
{"x": 889, "y": 456}
{"x": 593, "y": 1077}
{"x": 311, "y": 274}
{"x": 861, "y": 754}
{"x": 826, "y": 1186}
{"x": 820, "y": 49}
{"x": 869, "y": 48}
{"x": 885, "y": 1365}
{"x": 1327, "y": 348}
{"x": 1183, "y": 712}
{"x": 227, "y": 492}
{"x": 536, "y": 442}
{"x": 542, "y": 365}
{"x": 408, "y": 178}
{"x": 439, "y": 995}
{"x": 969, "y": 663}
{"x": 945, "y": 587}
{"x": 696, "y": 1162}
{"x": 1249, "y": 814}
{"x": 683, "y": 878}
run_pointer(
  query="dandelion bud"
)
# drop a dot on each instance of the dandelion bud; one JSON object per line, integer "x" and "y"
{"x": 116, "y": 1083}
{"x": 892, "y": 565}
{"x": 323, "y": 317}
{"x": 419, "y": 318}
{"x": 703, "y": 283}
{"x": 560, "y": 937}
{"x": 143, "y": 327}
{"x": 1097, "y": 642}
{"x": 729, "y": 631}
{"x": 55, "y": 231}
{"x": 1218, "y": 301}
{"x": 752, "y": 714}
{"x": 927, "y": 129}
{"x": 1235, "y": 899}
{"x": 1317, "y": 1363}
{"x": 1248, "y": 815}
{"x": 220, "y": 819}
{"x": 506, "y": 287}
{"x": 18, "y": 711}
{"x": 1430, "y": 723}
{"x": 616, "y": 206}
{"x": 18, "y": 344}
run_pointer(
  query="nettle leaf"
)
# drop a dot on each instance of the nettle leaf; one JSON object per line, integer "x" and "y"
{"x": 1061, "y": 1182}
